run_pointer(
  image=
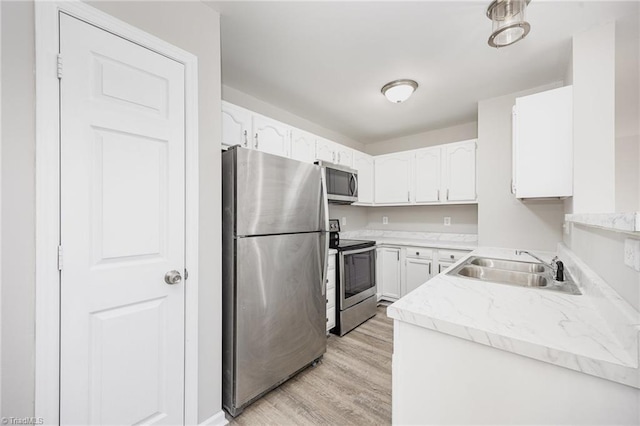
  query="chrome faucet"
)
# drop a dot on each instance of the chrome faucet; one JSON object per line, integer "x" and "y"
{"x": 557, "y": 267}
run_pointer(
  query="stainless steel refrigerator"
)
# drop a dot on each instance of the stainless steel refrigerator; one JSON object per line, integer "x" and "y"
{"x": 274, "y": 263}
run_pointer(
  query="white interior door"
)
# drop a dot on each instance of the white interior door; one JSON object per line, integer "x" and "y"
{"x": 122, "y": 228}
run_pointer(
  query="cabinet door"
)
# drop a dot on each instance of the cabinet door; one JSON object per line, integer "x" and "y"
{"x": 393, "y": 178}
{"x": 389, "y": 278}
{"x": 303, "y": 146}
{"x": 543, "y": 144}
{"x": 326, "y": 150}
{"x": 460, "y": 171}
{"x": 344, "y": 155}
{"x": 271, "y": 136}
{"x": 363, "y": 163}
{"x": 236, "y": 126}
{"x": 428, "y": 175}
{"x": 417, "y": 272}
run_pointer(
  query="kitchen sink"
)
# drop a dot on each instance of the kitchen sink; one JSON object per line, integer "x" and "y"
{"x": 513, "y": 272}
{"x": 509, "y": 265}
{"x": 523, "y": 279}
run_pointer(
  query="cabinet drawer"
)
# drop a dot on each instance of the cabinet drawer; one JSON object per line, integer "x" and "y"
{"x": 419, "y": 252}
{"x": 451, "y": 255}
{"x": 331, "y": 318}
{"x": 331, "y": 298}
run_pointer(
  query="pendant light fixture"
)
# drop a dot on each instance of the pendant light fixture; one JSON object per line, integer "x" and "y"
{"x": 509, "y": 24}
{"x": 399, "y": 90}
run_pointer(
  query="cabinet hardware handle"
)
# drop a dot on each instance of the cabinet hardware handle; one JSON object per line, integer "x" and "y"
{"x": 256, "y": 145}
{"x": 339, "y": 157}
{"x": 429, "y": 268}
{"x": 439, "y": 268}
{"x": 409, "y": 196}
{"x": 438, "y": 195}
{"x": 333, "y": 155}
{"x": 452, "y": 257}
{"x": 398, "y": 255}
{"x": 447, "y": 194}
{"x": 245, "y": 139}
{"x": 417, "y": 253}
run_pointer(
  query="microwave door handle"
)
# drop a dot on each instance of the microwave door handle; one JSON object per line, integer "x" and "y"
{"x": 353, "y": 180}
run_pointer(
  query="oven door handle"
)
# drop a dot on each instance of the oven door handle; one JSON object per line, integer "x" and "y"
{"x": 348, "y": 252}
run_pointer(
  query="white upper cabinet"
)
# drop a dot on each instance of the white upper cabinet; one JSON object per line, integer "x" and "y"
{"x": 236, "y": 126}
{"x": 428, "y": 175}
{"x": 543, "y": 141}
{"x": 393, "y": 178}
{"x": 271, "y": 136}
{"x": 363, "y": 163}
{"x": 326, "y": 150}
{"x": 344, "y": 155}
{"x": 459, "y": 168}
{"x": 303, "y": 146}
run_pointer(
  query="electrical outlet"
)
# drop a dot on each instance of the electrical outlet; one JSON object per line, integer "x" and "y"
{"x": 343, "y": 222}
{"x": 632, "y": 253}
{"x": 385, "y": 220}
{"x": 447, "y": 221}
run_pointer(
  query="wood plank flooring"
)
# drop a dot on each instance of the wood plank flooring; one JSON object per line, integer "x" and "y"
{"x": 351, "y": 386}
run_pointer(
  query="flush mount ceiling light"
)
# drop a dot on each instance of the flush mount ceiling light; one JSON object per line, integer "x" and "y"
{"x": 399, "y": 90}
{"x": 509, "y": 24}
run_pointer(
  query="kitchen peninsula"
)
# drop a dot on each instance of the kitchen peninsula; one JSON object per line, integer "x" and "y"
{"x": 506, "y": 352}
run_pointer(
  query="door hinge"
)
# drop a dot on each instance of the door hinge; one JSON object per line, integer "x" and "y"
{"x": 59, "y": 65}
{"x": 60, "y": 253}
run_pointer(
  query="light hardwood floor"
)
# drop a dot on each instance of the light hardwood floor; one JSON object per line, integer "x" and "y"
{"x": 351, "y": 386}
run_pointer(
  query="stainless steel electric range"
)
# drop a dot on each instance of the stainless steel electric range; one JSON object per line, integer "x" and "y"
{"x": 356, "y": 280}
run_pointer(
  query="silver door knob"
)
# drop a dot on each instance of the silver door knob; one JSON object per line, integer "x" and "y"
{"x": 172, "y": 277}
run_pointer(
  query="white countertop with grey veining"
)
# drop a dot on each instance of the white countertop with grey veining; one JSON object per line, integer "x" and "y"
{"x": 415, "y": 239}
{"x": 595, "y": 333}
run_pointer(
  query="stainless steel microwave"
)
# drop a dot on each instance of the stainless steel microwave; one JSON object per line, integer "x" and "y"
{"x": 341, "y": 183}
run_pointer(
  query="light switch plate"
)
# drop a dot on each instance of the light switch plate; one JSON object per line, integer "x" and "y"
{"x": 632, "y": 253}
{"x": 385, "y": 220}
{"x": 447, "y": 221}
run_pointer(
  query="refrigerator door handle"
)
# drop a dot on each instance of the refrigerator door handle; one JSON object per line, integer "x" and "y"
{"x": 324, "y": 237}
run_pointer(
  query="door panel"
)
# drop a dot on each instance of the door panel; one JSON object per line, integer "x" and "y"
{"x": 428, "y": 175}
{"x": 236, "y": 126}
{"x": 122, "y": 228}
{"x": 418, "y": 272}
{"x": 271, "y": 136}
{"x": 460, "y": 172}
{"x": 281, "y": 309}
{"x": 393, "y": 178}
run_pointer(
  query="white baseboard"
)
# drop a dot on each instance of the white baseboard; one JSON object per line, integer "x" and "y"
{"x": 217, "y": 419}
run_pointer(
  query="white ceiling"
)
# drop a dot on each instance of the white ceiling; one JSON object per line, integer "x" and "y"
{"x": 326, "y": 61}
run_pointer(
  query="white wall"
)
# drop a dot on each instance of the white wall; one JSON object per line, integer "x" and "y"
{"x": 18, "y": 208}
{"x": 627, "y": 113}
{"x": 356, "y": 216}
{"x": 251, "y": 103}
{"x": 464, "y": 218}
{"x": 594, "y": 120}
{"x": 603, "y": 252}
{"x": 503, "y": 220}
{"x": 191, "y": 26}
{"x": 456, "y": 133}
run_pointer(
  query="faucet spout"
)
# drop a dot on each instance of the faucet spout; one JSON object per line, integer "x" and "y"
{"x": 556, "y": 266}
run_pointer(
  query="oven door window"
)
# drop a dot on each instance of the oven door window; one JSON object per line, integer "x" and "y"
{"x": 341, "y": 183}
{"x": 359, "y": 272}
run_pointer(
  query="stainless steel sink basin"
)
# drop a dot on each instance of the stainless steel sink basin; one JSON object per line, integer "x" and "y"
{"x": 509, "y": 265}
{"x": 523, "y": 279}
{"x": 512, "y": 272}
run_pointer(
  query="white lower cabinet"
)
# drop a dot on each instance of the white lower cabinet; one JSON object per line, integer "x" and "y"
{"x": 331, "y": 292}
{"x": 389, "y": 272}
{"x": 418, "y": 266}
{"x": 402, "y": 269}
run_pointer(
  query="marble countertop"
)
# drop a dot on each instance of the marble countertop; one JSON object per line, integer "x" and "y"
{"x": 623, "y": 222}
{"x": 575, "y": 332}
{"x": 416, "y": 239}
